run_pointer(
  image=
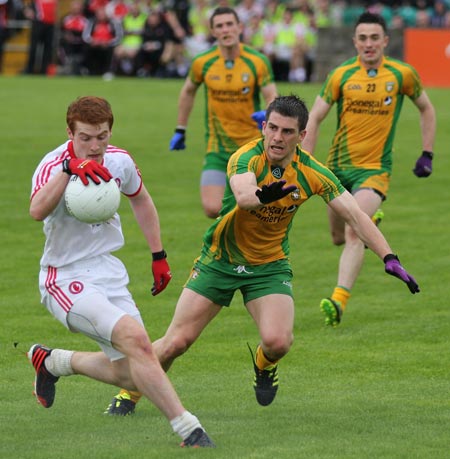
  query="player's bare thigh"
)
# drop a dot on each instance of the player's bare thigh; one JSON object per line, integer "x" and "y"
{"x": 193, "y": 313}
{"x": 212, "y": 187}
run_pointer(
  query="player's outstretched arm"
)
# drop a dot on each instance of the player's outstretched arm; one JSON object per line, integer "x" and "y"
{"x": 423, "y": 166}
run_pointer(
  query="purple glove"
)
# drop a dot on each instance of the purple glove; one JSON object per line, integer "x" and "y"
{"x": 259, "y": 117}
{"x": 274, "y": 191}
{"x": 177, "y": 142}
{"x": 423, "y": 164}
{"x": 393, "y": 267}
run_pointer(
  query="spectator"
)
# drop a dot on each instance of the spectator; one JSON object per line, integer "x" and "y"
{"x": 157, "y": 46}
{"x": 288, "y": 49}
{"x": 124, "y": 59}
{"x": 258, "y": 33}
{"x": 101, "y": 36}
{"x": 377, "y": 7}
{"x": 301, "y": 11}
{"x": 200, "y": 40}
{"x": 176, "y": 13}
{"x": 422, "y": 19}
{"x": 246, "y": 9}
{"x": 398, "y": 23}
{"x": 439, "y": 14}
{"x": 71, "y": 49}
{"x": 91, "y": 6}
{"x": 117, "y": 9}
{"x": 407, "y": 12}
{"x": 273, "y": 11}
{"x": 322, "y": 14}
{"x": 42, "y": 14}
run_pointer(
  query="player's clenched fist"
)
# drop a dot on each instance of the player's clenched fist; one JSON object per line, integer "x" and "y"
{"x": 161, "y": 272}
{"x": 178, "y": 141}
{"x": 85, "y": 168}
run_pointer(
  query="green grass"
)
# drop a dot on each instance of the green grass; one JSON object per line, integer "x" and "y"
{"x": 376, "y": 387}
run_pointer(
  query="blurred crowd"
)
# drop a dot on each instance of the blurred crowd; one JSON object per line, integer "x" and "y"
{"x": 146, "y": 38}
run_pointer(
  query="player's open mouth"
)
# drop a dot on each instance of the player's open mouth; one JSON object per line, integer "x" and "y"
{"x": 277, "y": 148}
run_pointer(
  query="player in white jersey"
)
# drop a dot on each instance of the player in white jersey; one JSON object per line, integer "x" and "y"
{"x": 85, "y": 287}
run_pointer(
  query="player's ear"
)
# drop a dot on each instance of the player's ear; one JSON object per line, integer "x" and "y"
{"x": 69, "y": 133}
{"x": 301, "y": 135}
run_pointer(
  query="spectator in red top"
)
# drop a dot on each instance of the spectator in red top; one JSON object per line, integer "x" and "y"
{"x": 91, "y": 6}
{"x": 71, "y": 50}
{"x": 42, "y": 14}
{"x": 101, "y": 36}
{"x": 117, "y": 9}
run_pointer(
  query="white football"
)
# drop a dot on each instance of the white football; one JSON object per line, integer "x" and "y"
{"x": 92, "y": 203}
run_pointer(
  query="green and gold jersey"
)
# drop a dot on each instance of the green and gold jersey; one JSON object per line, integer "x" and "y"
{"x": 232, "y": 94}
{"x": 368, "y": 108}
{"x": 255, "y": 237}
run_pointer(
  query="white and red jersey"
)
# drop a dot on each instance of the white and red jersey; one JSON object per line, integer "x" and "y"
{"x": 69, "y": 240}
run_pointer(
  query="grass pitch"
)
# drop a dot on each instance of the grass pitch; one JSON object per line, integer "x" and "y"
{"x": 376, "y": 387}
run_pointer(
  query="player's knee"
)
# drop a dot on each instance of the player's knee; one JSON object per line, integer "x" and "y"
{"x": 170, "y": 348}
{"x": 351, "y": 238}
{"x": 337, "y": 238}
{"x": 278, "y": 345}
{"x": 211, "y": 211}
{"x": 137, "y": 345}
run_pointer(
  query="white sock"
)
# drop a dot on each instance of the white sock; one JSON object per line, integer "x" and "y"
{"x": 185, "y": 424}
{"x": 58, "y": 362}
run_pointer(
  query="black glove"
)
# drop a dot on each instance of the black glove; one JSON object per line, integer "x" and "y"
{"x": 274, "y": 191}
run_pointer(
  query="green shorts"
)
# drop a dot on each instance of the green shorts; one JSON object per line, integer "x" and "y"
{"x": 354, "y": 179}
{"x": 218, "y": 280}
{"x": 216, "y": 161}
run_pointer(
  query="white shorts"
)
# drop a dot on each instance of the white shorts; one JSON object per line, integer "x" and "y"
{"x": 89, "y": 296}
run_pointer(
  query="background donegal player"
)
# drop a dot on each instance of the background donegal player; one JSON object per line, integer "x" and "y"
{"x": 233, "y": 75}
{"x": 368, "y": 91}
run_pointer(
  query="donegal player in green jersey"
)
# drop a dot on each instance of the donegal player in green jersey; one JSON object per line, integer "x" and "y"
{"x": 233, "y": 76}
{"x": 247, "y": 247}
{"x": 368, "y": 90}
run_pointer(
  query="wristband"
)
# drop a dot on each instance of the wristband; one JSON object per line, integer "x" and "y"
{"x": 390, "y": 256}
{"x": 180, "y": 130}
{"x": 65, "y": 166}
{"x": 159, "y": 255}
{"x": 427, "y": 154}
